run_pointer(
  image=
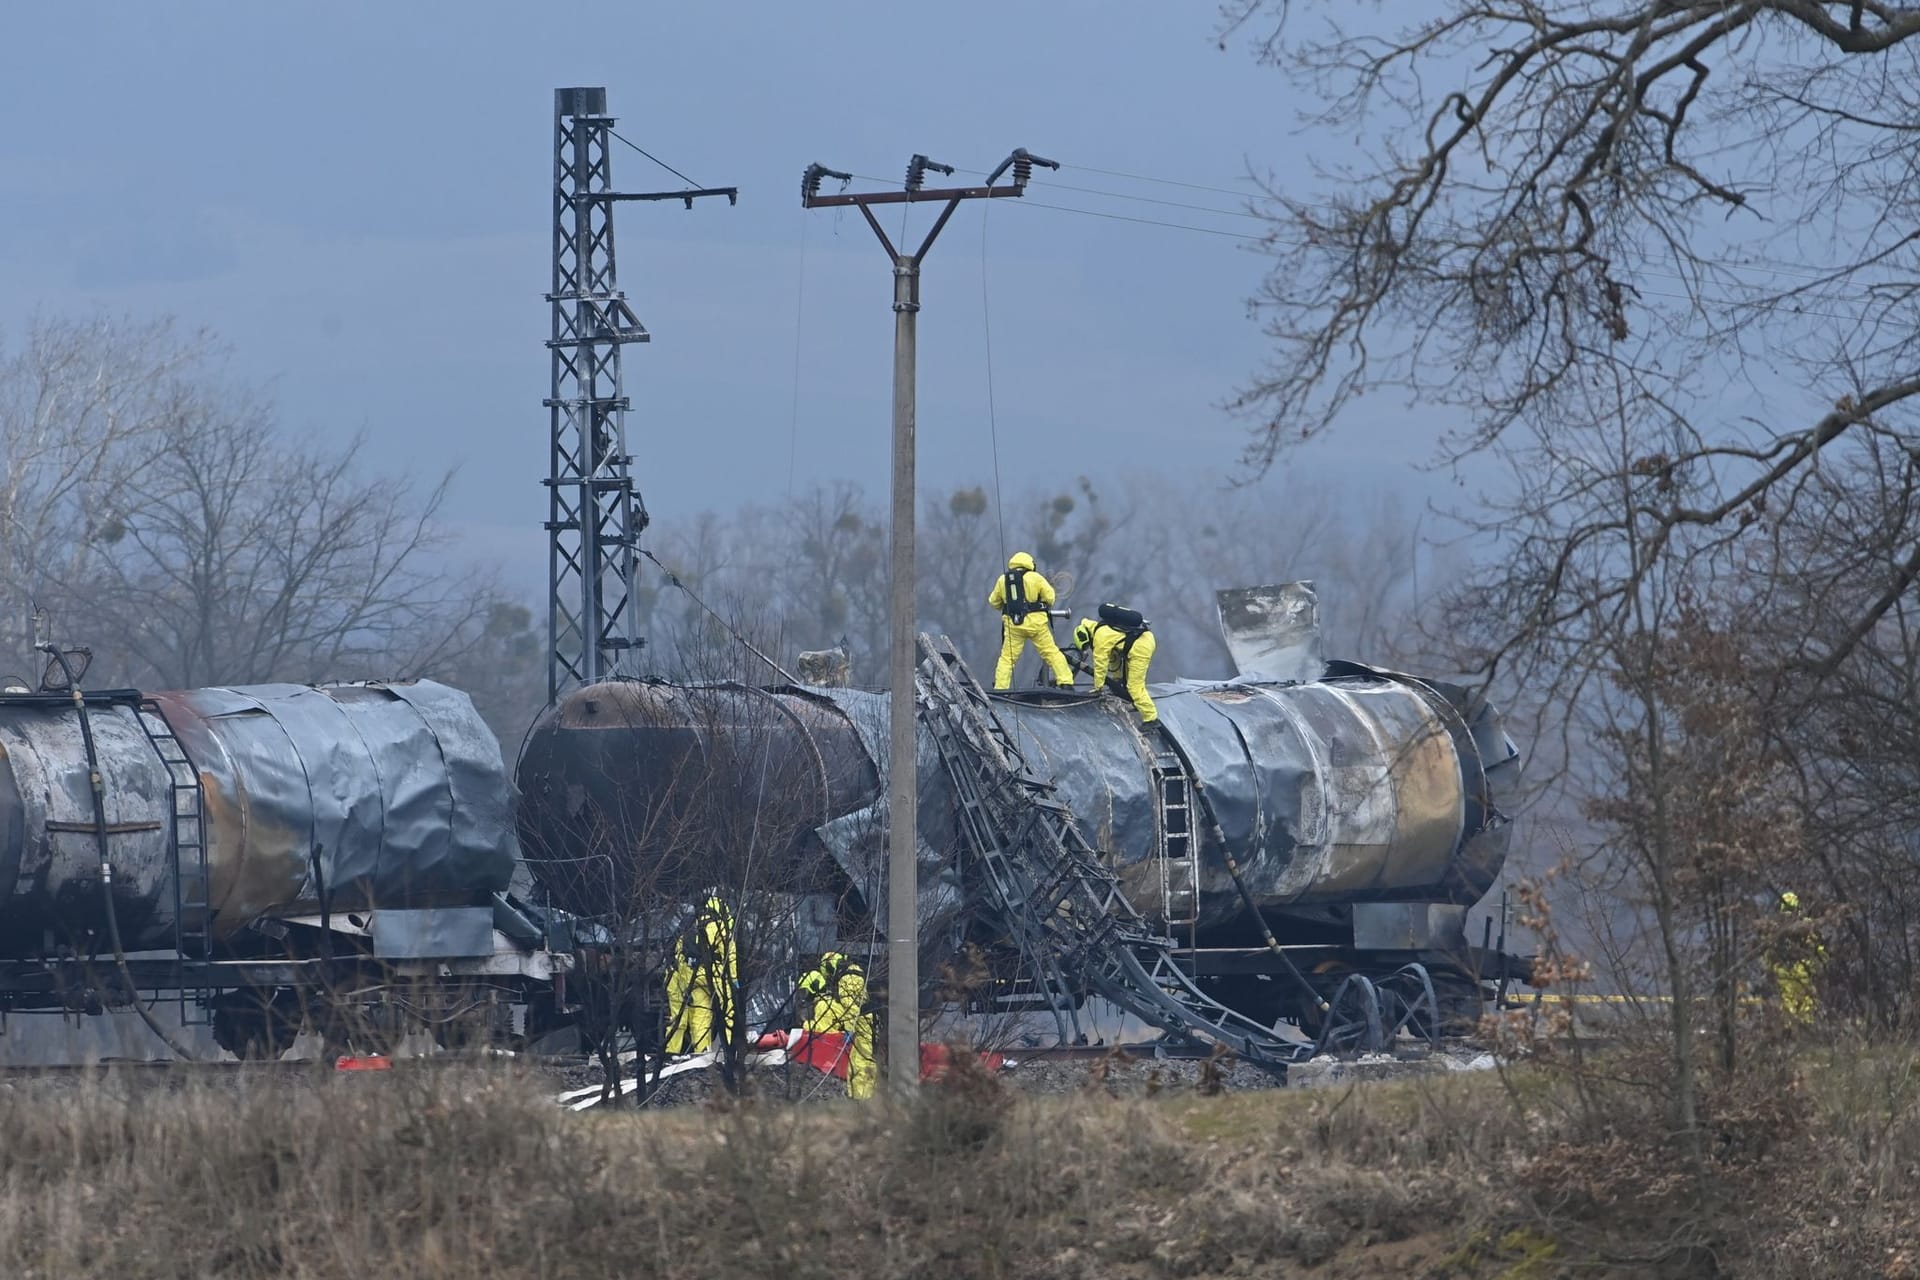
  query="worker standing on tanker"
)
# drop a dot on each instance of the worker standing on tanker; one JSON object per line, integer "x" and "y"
{"x": 703, "y": 984}
{"x": 1121, "y": 644}
{"x": 1023, "y": 596}
{"x": 839, "y": 992}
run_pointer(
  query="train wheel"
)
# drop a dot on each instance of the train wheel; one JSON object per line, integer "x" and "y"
{"x": 253, "y": 1025}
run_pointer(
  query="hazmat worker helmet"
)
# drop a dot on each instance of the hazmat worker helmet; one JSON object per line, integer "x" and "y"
{"x": 1019, "y": 560}
{"x": 1083, "y": 634}
{"x": 1789, "y": 901}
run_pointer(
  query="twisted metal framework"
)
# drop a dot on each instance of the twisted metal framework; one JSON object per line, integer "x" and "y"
{"x": 595, "y": 516}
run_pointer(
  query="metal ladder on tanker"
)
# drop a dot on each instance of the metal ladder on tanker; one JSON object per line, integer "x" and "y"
{"x": 1179, "y": 849}
{"x": 1064, "y": 908}
{"x": 187, "y": 855}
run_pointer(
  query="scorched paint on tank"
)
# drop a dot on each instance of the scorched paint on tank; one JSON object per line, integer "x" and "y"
{"x": 389, "y": 794}
{"x": 1349, "y": 787}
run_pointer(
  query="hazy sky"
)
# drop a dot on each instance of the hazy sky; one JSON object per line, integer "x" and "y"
{"x": 357, "y": 196}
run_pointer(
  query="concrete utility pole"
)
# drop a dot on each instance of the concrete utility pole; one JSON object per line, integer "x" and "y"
{"x": 903, "y": 798}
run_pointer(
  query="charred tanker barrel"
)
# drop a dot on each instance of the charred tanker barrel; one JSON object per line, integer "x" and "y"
{"x": 389, "y": 794}
{"x": 642, "y": 788}
{"x": 1359, "y": 787}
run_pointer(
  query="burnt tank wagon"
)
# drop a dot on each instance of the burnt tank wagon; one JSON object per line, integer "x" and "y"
{"x": 1365, "y": 810}
{"x": 266, "y": 842}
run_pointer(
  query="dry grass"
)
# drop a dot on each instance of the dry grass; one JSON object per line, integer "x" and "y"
{"x": 437, "y": 1173}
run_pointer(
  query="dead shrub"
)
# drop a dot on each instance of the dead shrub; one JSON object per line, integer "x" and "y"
{"x": 960, "y": 1111}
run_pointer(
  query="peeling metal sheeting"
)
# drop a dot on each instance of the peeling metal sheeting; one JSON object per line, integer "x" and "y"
{"x": 389, "y": 794}
{"x": 1272, "y": 633}
{"x": 632, "y": 791}
{"x": 1360, "y": 787}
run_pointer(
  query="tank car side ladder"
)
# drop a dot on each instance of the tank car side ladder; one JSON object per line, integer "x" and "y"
{"x": 1051, "y": 884}
{"x": 187, "y": 849}
{"x": 1179, "y": 850}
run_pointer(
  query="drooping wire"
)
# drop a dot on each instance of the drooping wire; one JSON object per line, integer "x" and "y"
{"x": 657, "y": 160}
{"x": 799, "y": 327}
{"x": 1141, "y": 177}
{"x": 673, "y": 580}
{"x": 1151, "y": 222}
{"x": 993, "y": 419}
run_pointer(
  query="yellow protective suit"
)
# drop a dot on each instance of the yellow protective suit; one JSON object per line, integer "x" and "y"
{"x": 1036, "y": 628}
{"x": 1792, "y": 963}
{"x": 1104, "y": 641}
{"x": 702, "y": 988}
{"x": 839, "y": 992}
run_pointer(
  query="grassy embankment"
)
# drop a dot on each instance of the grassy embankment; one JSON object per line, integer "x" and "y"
{"x": 441, "y": 1173}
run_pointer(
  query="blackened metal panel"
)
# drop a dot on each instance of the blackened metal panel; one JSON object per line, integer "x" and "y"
{"x": 424, "y": 933}
{"x": 482, "y": 843}
{"x": 55, "y": 857}
{"x": 857, "y": 840}
{"x": 226, "y": 734}
{"x": 1273, "y": 632}
{"x": 341, "y": 797}
{"x": 1216, "y": 757}
{"x": 259, "y": 808}
{"x": 403, "y": 759}
{"x": 1286, "y": 784}
{"x": 1092, "y": 752}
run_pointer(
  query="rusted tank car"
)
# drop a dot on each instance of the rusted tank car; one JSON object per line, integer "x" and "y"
{"x": 342, "y": 796}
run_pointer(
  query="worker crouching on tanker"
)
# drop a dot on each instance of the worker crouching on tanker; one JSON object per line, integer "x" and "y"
{"x": 1121, "y": 647}
{"x": 1023, "y": 596}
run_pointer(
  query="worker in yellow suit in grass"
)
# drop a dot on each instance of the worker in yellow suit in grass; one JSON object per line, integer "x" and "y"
{"x": 839, "y": 991}
{"x": 703, "y": 982}
{"x": 1121, "y": 644}
{"x": 1794, "y": 960}
{"x": 1023, "y": 596}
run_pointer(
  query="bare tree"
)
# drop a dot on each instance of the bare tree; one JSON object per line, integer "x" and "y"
{"x": 80, "y": 403}
{"x": 153, "y": 506}
{"x": 1661, "y": 195}
{"x": 235, "y": 555}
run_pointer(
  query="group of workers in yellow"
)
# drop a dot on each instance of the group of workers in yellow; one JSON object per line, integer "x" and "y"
{"x": 703, "y": 983}
{"x": 703, "y": 997}
{"x": 1117, "y": 646}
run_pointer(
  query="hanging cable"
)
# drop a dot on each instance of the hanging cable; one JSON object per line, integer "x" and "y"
{"x": 1141, "y": 177}
{"x": 993, "y": 422}
{"x": 1151, "y": 222}
{"x": 98, "y": 786}
{"x": 799, "y": 317}
{"x": 673, "y": 580}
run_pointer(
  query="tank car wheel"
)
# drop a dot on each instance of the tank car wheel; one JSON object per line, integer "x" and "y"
{"x": 254, "y": 1026}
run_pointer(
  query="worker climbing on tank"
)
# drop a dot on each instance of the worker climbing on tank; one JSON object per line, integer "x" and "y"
{"x": 703, "y": 982}
{"x": 1793, "y": 960}
{"x": 1120, "y": 644}
{"x": 1023, "y": 596}
{"x": 838, "y": 989}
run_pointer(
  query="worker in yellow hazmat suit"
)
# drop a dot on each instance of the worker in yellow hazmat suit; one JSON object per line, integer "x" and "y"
{"x": 1793, "y": 960}
{"x": 1023, "y": 596}
{"x": 1121, "y": 644}
{"x": 703, "y": 982}
{"x": 839, "y": 992}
